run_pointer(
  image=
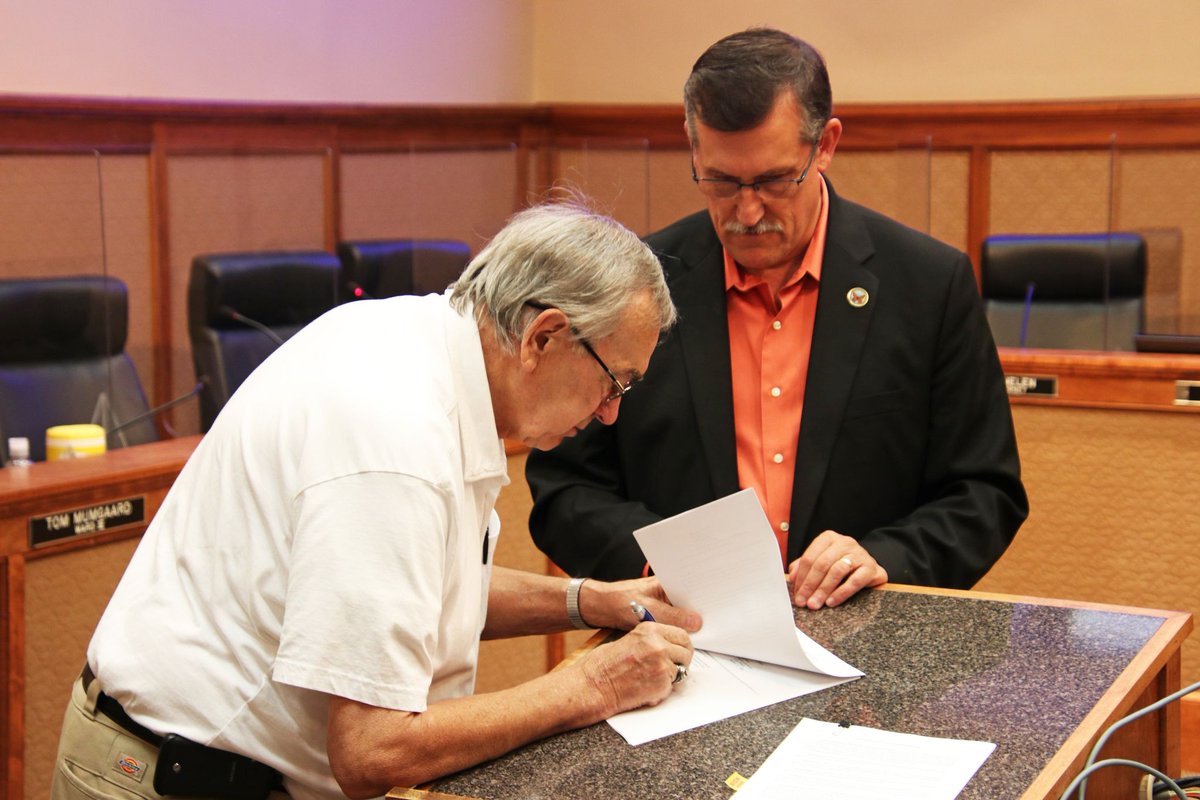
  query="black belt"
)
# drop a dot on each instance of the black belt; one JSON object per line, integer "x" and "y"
{"x": 189, "y": 769}
{"x": 112, "y": 709}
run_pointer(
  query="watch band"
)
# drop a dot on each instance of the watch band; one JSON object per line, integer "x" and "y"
{"x": 573, "y": 603}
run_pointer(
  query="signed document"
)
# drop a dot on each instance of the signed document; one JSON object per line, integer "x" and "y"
{"x": 722, "y": 560}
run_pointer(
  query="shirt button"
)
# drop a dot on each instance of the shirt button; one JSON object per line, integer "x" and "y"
{"x": 778, "y": 458}
{"x": 776, "y": 391}
{"x": 776, "y": 324}
{"x": 783, "y": 526}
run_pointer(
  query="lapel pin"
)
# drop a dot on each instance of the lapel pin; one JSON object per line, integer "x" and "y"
{"x": 857, "y": 297}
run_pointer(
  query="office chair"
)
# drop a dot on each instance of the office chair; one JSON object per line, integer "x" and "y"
{"x": 241, "y": 306}
{"x": 1080, "y": 292}
{"x": 63, "y": 361}
{"x": 387, "y": 267}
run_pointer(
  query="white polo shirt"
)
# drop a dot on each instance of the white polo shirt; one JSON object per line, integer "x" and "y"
{"x": 326, "y": 537}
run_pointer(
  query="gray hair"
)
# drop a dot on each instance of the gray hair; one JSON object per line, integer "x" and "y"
{"x": 735, "y": 82}
{"x": 565, "y": 256}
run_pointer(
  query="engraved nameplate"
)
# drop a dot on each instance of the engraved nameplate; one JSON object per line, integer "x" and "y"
{"x": 1187, "y": 393}
{"x": 86, "y": 521}
{"x": 1036, "y": 385}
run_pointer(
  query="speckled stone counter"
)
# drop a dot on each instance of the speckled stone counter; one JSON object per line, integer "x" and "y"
{"x": 1019, "y": 674}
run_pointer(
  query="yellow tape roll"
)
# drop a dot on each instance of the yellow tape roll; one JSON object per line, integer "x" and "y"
{"x": 74, "y": 441}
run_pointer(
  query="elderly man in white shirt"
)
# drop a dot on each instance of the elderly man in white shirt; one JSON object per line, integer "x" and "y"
{"x": 303, "y": 615}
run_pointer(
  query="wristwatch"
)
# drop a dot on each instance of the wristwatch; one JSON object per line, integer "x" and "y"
{"x": 573, "y": 603}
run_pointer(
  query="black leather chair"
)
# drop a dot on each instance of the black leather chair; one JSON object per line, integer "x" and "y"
{"x": 1080, "y": 292}
{"x": 241, "y": 306}
{"x": 63, "y": 361}
{"x": 387, "y": 267}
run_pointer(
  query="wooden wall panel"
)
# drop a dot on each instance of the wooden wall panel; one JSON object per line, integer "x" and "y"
{"x": 50, "y": 207}
{"x": 893, "y": 182}
{"x": 948, "y": 198}
{"x": 224, "y": 203}
{"x": 464, "y": 194}
{"x": 64, "y": 598}
{"x": 1050, "y": 191}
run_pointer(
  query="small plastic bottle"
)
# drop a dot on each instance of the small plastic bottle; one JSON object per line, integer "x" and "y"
{"x": 18, "y": 452}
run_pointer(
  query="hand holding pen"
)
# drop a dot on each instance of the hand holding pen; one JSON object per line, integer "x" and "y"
{"x": 643, "y": 614}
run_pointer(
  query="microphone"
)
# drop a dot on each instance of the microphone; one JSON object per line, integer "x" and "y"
{"x": 357, "y": 292}
{"x": 195, "y": 390}
{"x": 1029, "y": 287}
{"x": 253, "y": 323}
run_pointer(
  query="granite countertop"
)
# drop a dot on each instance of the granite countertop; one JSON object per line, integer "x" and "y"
{"x": 1020, "y": 675}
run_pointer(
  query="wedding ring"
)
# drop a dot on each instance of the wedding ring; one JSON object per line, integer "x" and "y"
{"x": 846, "y": 560}
{"x": 680, "y": 673}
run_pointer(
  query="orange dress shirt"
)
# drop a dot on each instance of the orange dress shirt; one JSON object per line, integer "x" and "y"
{"x": 769, "y": 345}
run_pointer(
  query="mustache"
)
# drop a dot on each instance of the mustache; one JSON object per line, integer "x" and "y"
{"x": 762, "y": 226}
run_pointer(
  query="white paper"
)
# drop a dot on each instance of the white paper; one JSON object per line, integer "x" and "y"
{"x": 828, "y": 761}
{"x": 722, "y": 560}
{"x": 718, "y": 687}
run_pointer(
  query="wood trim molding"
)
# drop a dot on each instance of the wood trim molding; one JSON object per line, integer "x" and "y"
{"x": 1094, "y": 379}
{"x": 1148, "y": 122}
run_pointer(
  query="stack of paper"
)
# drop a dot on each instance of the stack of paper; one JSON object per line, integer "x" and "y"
{"x": 722, "y": 560}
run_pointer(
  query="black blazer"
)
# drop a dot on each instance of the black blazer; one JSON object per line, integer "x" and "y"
{"x": 906, "y": 441}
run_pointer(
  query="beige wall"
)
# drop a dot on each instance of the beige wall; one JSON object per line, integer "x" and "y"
{"x": 332, "y": 51}
{"x": 557, "y": 51}
{"x": 879, "y": 50}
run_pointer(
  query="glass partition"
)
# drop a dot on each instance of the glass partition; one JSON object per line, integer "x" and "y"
{"x": 1059, "y": 268}
{"x": 614, "y": 174}
{"x": 1156, "y": 195}
{"x": 455, "y": 196}
{"x": 75, "y": 338}
{"x": 897, "y": 182}
{"x": 247, "y": 264}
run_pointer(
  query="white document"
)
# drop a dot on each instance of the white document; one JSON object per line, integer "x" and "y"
{"x": 722, "y": 560}
{"x": 829, "y": 761}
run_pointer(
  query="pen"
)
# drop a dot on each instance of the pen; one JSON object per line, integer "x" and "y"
{"x": 640, "y": 610}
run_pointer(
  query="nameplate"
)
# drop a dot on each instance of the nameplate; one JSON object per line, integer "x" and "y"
{"x": 86, "y": 521}
{"x": 1187, "y": 393}
{"x": 1036, "y": 385}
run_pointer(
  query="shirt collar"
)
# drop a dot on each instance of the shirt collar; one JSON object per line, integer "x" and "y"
{"x": 738, "y": 279}
{"x": 483, "y": 449}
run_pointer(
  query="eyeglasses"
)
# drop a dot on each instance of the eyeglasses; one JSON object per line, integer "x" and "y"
{"x": 779, "y": 188}
{"x": 619, "y": 389}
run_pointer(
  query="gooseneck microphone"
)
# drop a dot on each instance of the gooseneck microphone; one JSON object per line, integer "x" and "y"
{"x": 195, "y": 390}
{"x": 1029, "y": 287}
{"x": 253, "y": 323}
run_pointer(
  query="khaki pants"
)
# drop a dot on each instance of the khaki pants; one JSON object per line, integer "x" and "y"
{"x": 99, "y": 760}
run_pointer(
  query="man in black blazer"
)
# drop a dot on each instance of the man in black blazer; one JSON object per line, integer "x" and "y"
{"x": 830, "y": 358}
